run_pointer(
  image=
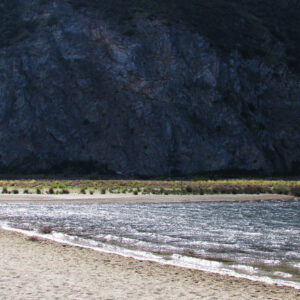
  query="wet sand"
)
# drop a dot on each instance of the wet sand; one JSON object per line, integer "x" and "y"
{"x": 47, "y": 270}
{"x": 129, "y": 198}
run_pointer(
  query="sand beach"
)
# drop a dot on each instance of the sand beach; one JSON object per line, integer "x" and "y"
{"x": 43, "y": 269}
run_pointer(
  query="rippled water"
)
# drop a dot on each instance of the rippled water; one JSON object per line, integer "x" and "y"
{"x": 256, "y": 240}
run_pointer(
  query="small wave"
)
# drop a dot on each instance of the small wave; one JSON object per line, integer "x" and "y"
{"x": 272, "y": 262}
{"x": 283, "y": 275}
{"x": 293, "y": 254}
{"x": 296, "y": 266}
{"x": 247, "y": 269}
{"x": 232, "y": 239}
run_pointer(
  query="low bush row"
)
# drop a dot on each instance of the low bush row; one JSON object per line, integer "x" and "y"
{"x": 169, "y": 188}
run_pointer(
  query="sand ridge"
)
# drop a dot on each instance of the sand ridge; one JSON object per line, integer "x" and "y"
{"x": 129, "y": 198}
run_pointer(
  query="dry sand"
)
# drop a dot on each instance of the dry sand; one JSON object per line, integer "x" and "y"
{"x": 129, "y": 198}
{"x": 47, "y": 270}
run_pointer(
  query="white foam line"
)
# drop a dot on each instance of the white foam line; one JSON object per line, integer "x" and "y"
{"x": 178, "y": 260}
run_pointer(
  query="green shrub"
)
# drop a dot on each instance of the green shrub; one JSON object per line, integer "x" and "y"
{"x": 281, "y": 189}
{"x": 296, "y": 191}
{"x": 5, "y": 190}
{"x": 51, "y": 191}
{"x": 189, "y": 189}
{"x": 146, "y": 190}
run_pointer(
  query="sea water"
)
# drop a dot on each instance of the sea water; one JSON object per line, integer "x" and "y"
{"x": 255, "y": 240}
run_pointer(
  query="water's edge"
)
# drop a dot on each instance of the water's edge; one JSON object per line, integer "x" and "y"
{"x": 175, "y": 260}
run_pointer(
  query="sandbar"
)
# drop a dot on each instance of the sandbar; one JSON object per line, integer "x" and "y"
{"x": 129, "y": 198}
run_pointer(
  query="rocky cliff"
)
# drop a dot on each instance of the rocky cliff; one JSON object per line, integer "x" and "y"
{"x": 146, "y": 90}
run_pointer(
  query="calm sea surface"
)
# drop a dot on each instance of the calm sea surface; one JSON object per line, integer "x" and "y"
{"x": 255, "y": 240}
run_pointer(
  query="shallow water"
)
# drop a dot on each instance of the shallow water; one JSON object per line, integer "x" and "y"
{"x": 255, "y": 240}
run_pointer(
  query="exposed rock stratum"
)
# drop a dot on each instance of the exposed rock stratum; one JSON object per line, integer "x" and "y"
{"x": 143, "y": 96}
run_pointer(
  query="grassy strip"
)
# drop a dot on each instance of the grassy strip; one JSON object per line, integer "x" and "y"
{"x": 198, "y": 187}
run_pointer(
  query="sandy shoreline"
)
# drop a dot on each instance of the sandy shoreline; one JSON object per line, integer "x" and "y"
{"x": 48, "y": 270}
{"x": 129, "y": 198}
{"x": 45, "y": 269}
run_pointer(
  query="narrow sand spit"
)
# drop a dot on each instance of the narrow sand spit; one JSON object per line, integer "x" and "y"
{"x": 129, "y": 198}
{"x": 47, "y": 270}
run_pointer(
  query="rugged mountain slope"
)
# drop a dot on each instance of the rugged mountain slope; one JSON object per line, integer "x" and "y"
{"x": 150, "y": 87}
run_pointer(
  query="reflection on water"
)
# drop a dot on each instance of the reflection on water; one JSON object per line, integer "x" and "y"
{"x": 258, "y": 240}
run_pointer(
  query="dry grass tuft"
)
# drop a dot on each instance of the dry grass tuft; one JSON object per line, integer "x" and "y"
{"x": 33, "y": 238}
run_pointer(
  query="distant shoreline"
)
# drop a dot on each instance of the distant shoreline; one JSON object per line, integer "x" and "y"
{"x": 129, "y": 198}
{"x": 106, "y": 188}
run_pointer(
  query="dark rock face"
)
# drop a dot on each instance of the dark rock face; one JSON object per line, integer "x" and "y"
{"x": 75, "y": 87}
